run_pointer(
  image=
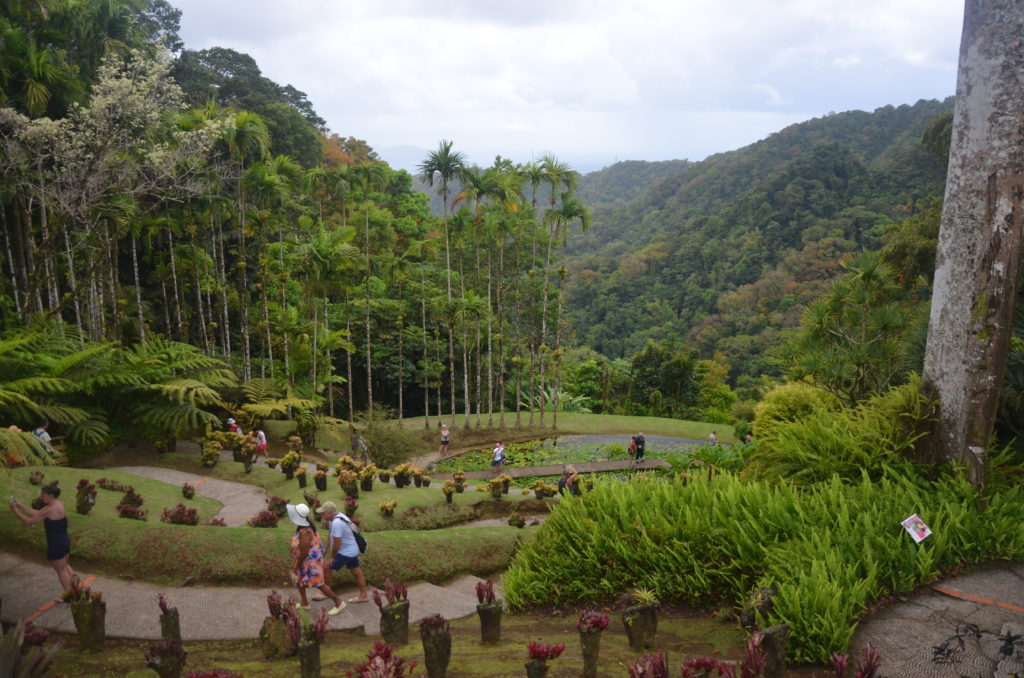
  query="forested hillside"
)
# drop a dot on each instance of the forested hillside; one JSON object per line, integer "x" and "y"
{"x": 726, "y": 251}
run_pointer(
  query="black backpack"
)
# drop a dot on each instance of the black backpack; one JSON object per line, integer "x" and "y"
{"x": 360, "y": 539}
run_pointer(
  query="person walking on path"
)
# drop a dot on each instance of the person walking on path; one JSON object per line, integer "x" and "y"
{"x": 641, "y": 447}
{"x": 54, "y": 518}
{"x": 261, "y": 443}
{"x": 632, "y": 451}
{"x": 498, "y": 458}
{"x": 343, "y": 550}
{"x": 308, "y": 555}
{"x": 713, "y": 438}
{"x": 445, "y": 439}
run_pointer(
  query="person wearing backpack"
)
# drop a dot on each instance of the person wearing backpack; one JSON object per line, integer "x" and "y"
{"x": 344, "y": 547}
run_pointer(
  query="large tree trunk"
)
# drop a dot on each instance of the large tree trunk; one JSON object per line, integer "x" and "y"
{"x": 980, "y": 237}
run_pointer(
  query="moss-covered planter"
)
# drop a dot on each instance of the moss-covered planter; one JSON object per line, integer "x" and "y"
{"x": 170, "y": 626}
{"x": 490, "y": 622}
{"x": 641, "y": 622}
{"x": 497, "y": 489}
{"x": 448, "y": 496}
{"x": 302, "y": 480}
{"x": 394, "y": 623}
{"x": 590, "y": 646}
{"x": 366, "y": 484}
{"x": 90, "y": 619}
{"x": 274, "y": 640}
{"x": 320, "y": 482}
{"x": 536, "y": 668}
{"x": 309, "y": 658}
{"x": 437, "y": 651}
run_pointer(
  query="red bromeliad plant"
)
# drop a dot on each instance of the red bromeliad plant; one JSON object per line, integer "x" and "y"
{"x": 381, "y": 662}
{"x": 161, "y": 600}
{"x": 275, "y": 605}
{"x": 132, "y": 512}
{"x": 867, "y": 667}
{"x": 753, "y": 663}
{"x": 485, "y": 592}
{"x": 394, "y": 591}
{"x": 213, "y": 673}
{"x": 216, "y": 522}
{"x": 591, "y": 621}
{"x": 537, "y": 656}
{"x": 277, "y": 505}
{"x": 188, "y": 491}
{"x": 34, "y": 636}
{"x": 650, "y": 666}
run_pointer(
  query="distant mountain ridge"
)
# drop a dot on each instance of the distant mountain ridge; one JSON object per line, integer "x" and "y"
{"x": 788, "y": 207}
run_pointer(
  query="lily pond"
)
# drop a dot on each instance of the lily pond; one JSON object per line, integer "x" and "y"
{"x": 577, "y": 449}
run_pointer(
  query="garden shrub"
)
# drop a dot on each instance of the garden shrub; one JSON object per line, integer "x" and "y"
{"x": 263, "y": 519}
{"x": 387, "y": 443}
{"x": 790, "y": 402}
{"x": 877, "y": 436}
{"x": 180, "y": 515}
{"x": 131, "y": 511}
{"x": 830, "y": 548}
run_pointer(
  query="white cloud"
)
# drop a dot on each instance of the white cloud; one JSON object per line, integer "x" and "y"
{"x": 587, "y": 79}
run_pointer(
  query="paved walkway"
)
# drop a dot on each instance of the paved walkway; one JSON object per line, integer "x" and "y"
{"x": 239, "y": 500}
{"x": 28, "y": 589}
{"x": 585, "y": 467}
{"x": 908, "y": 633}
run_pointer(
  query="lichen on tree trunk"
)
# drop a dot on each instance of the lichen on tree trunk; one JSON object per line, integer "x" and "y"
{"x": 978, "y": 261}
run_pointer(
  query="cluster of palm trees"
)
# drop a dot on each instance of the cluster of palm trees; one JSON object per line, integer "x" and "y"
{"x": 131, "y": 219}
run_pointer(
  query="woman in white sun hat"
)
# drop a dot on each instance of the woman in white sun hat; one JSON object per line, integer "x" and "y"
{"x": 308, "y": 558}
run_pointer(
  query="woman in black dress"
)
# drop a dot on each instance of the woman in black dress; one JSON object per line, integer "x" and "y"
{"x": 54, "y": 518}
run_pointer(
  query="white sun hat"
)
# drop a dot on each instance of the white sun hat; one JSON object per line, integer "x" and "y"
{"x": 298, "y": 514}
{"x": 230, "y": 420}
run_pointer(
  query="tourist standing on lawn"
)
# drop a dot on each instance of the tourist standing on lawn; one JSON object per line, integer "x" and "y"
{"x": 446, "y": 438}
{"x": 641, "y": 447}
{"x": 343, "y": 550}
{"x": 54, "y": 518}
{"x": 308, "y": 559}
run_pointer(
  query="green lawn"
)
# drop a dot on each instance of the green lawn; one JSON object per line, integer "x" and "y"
{"x": 104, "y": 543}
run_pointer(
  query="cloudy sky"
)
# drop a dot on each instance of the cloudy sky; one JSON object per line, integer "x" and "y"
{"x": 593, "y": 81}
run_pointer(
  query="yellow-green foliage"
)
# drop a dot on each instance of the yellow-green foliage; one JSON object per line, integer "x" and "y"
{"x": 877, "y": 436}
{"x": 831, "y": 548}
{"x": 790, "y": 402}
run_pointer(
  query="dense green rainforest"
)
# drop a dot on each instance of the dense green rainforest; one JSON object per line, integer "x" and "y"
{"x": 181, "y": 233}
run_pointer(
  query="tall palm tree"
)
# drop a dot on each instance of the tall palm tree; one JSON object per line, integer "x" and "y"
{"x": 247, "y": 137}
{"x": 443, "y": 166}
{"x": 569, "y": 212}
{"x": 371, "y": 177}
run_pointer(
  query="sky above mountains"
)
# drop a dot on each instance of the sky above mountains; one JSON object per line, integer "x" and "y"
{"x": 593, "y": 82}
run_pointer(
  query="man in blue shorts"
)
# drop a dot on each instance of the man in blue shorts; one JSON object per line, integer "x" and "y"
{"x": 342, "y": 549}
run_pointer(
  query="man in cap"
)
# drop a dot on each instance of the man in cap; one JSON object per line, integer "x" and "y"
{"x": 342, "y": 549}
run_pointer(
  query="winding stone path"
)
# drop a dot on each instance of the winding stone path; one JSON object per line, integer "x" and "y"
{"x": 239, "y": 501}
{"x": 29, "y": 588}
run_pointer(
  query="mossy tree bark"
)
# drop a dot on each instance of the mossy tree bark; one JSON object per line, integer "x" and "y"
{"x": 977, "y": 268}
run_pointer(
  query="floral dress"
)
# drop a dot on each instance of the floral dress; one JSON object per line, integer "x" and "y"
{"x": 311, "y": 572}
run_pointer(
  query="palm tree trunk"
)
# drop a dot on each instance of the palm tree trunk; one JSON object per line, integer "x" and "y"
{"x": 138, "y": 289}
{"x": 203, "y": 336}
{"x": 174, "y": 285}
{"x": 115, "y": 312}
{"x": 369, "y": 356}
{"x": 12, "y": 266}
{"x": 218, "y": 248}
{"x": 426, "y": 363}
{"x": 71, "y": 278}
{"x": 348, "y": 354}
{"x": 401, "y": 356}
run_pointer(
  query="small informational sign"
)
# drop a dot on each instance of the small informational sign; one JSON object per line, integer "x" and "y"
{"x": 916, "y": 528}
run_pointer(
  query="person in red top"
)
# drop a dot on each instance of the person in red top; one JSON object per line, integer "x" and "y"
{"x": 234, "y": 428}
